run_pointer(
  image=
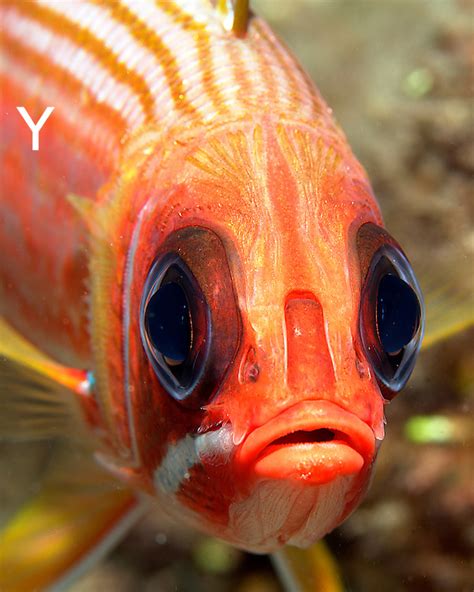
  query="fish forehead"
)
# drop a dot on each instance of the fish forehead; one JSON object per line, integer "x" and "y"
{"x": 283, "y": 197}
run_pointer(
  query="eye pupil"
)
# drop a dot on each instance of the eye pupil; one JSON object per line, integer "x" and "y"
{"x": 398, "y": 313}
{"x": 168, "y": 322}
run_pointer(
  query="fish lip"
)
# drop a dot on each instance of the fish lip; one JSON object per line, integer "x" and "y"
{"x": 351, "y": 449}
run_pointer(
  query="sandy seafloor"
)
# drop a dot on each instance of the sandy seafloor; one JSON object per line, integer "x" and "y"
{"x": 398, "y": 75}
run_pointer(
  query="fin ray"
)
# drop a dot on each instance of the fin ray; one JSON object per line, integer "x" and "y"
{"x": 76, "y": 516}
{"x": 35, "y": 392}
{"x": 449, "y": 306}
{"x": 307, "y": 570}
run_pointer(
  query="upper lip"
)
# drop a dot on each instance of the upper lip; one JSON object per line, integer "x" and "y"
{"x": 323, "y": 421}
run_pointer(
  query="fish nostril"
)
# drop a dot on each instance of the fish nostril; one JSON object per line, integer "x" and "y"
{"x": 249, "y": 369}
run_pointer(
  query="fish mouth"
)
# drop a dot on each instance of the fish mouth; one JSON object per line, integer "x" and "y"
{"x": 312, "y": 441}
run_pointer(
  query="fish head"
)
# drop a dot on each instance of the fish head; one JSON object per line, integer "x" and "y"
{"x": 264, "y": 336}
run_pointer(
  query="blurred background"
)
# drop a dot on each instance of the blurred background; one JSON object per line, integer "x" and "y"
{"x": 398, "y": 75}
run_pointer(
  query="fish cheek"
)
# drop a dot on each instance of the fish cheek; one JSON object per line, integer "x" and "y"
{"x": 160, "y": 419}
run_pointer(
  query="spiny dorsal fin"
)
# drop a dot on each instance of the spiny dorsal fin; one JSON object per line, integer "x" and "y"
{"x": 35, "y": 392}
{"x": 234, "y": 15}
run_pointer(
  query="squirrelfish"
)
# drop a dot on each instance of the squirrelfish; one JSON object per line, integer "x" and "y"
{"x": 196, "y": 282}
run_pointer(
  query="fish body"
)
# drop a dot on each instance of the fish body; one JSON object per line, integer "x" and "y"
{"x": 186, "y": 166}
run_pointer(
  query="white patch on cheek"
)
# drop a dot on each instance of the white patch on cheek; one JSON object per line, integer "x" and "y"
{"x": 215, "y": 448}
{"x": 211, "y": 448}
{"x": 175, "y": 466}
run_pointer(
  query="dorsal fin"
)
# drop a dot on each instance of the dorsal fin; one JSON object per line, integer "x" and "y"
{"x": 234, "y": 15}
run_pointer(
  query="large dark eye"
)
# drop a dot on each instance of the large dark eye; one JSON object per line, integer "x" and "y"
{"x": 174, "y": 325}
{"x": 391, "y": 318}
{"x": 168, "y": 323}
{"x": 398, "y": 313}
{"x": 190, "y": 325}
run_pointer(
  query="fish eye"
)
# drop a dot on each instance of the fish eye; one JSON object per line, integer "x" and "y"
{"x": 174, "y": 325}
{"x": 391, "y": 318}
{"x": 168, "y": 323}
{"x": 398, "y": 313}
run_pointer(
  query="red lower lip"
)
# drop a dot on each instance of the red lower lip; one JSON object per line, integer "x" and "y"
{"x": 313, "y": 441}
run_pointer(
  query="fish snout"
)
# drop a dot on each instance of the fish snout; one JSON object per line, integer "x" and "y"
{"x": 312, "y": 441}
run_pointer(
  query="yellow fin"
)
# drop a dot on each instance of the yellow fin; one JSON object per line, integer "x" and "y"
{"x": 308, "y": 570}
{"x": 234, "y": 15}
{"x": 35, "y": 392}
{"x": 449, "y": 306}
{"x": 77, "y": 515}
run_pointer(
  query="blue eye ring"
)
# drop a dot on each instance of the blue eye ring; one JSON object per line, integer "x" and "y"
{"x": 195, "y": 258}
{"x": 179, "y": 360}
{"x": 391, "y": 344}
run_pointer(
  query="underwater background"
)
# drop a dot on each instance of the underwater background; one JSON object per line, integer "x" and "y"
{"x": 399, "y": 76}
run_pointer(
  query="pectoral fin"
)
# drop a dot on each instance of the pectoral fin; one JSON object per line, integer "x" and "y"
{"x": 77, "y": 515}
{"x": 36, "y": 394}
{"x": 308, "y": 570}
{"x": 449, "y": 304}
